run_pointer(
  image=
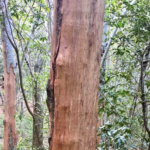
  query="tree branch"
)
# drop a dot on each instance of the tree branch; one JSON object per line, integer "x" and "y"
{"x": 113, "y": 34}
{"x": 143, "y": 98}
{"x": 5, "y": 15}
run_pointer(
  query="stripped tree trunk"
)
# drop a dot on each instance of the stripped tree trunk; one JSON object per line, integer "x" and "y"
{"x": 10, "y": 136}
{"x": 74, "y": 78}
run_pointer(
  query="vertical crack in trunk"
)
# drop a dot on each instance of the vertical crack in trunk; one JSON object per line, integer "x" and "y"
{"x": 58, "y": 35}
{"x": 50, "y": 88}
{"x": 51, "y": 105}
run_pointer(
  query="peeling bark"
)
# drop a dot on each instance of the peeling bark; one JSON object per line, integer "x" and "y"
{"x": 10, "y": 135}
{"x": 74, "y": 74}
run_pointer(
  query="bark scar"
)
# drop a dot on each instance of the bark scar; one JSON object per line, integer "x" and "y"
{"x": 50, "y": 88}
{"x": 50, "y": 105}
{"x": 58, "y": 34}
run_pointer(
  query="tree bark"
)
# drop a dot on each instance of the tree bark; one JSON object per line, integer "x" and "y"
{"x": 38, "y": 112}
{"x": 10, "y": 135}
{"x": 74, "y": 76}
{"x": 2, "y": 98}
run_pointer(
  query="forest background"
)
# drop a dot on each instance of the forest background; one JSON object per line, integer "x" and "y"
{"x": 124, "y": 75}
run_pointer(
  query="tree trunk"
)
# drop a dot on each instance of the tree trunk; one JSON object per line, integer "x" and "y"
{"x": 74, "y": 78}
{"x": 10, "y": 136}
{"x": 38, "y": 112}
{"x": 2, "y": 98}
{"x": 38, "y": 123}
{"x": 102, "y": 78}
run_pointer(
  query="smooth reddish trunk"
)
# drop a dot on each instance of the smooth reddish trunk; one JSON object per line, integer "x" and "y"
{"x": 75, "y": 65}
{"x": 10, "y": 136}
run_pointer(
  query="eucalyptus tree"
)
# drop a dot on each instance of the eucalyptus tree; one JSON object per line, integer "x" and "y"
{"x": 10, "y": 136}
{"x": 34, "y": 48}
{"x": 74, "y": 75}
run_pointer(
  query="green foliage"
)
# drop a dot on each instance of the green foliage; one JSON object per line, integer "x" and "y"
{"x": 31, "y": 34}
{"x": 123, "y": 127}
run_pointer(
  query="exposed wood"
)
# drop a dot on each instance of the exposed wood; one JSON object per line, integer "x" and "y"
{"x": 12, "y": 44}
{"x": 10, "y": 135}
{"x": 74, "y": 76}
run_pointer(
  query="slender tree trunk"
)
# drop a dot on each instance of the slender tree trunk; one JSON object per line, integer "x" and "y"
{"x": 74, "y": 77}
{"x": 2, "y": 98}
{"x": 102, "y": 79}
{"x": 21, "y": 108}
{"x": 38, "y": 112}
{"x": 10, "y": 136}
{"x": 38, "y": 122}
